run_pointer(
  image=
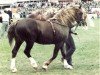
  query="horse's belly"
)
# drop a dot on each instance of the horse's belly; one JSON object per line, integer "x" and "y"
{"x": 44, "y": 40}
{"x": 50, "y": 39}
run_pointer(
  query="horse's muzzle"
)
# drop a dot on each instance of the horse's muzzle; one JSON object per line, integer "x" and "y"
{"x": 82, "y": 23}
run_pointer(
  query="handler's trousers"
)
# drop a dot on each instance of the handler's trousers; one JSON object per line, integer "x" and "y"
{"x": 70, "y": 48}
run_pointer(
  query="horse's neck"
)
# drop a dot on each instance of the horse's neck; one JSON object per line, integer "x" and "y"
{"x": 66, "y": 18}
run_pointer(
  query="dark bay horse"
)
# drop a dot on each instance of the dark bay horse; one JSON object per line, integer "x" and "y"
{"x": 70, "y": 46}
{"x": 55, "y": 31}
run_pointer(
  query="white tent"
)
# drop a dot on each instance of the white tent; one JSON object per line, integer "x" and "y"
{"x": 7, "y": 1}
{"x": 24, "y": 0}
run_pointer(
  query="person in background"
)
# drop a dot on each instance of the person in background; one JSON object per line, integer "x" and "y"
{"x": 0, "y": 17}
{"x": 70, "y": 47}
{"x": 9, "y": 12}
{"x": 0, "y": 23}
{"x": 5, "y": 22}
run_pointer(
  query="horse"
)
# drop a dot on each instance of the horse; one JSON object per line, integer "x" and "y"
{"x": 70, "y": 48}
{"x": 54, "y": 31}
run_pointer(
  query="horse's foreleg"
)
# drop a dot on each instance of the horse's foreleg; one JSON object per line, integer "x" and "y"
{"x": 27, "y": 50}
{"x": 14, "y": 53}
{"x": 55, "y": 53}
{"x": 66, "y": 65}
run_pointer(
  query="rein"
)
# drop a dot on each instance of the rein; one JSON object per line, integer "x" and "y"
{"x": 52, "y": 27}
{"x": 60, "y": 24}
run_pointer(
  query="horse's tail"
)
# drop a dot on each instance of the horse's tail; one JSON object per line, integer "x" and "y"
{"x": 11, "y": 33}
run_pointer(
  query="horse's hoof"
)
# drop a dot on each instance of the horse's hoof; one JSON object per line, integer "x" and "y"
{"x": 34, "y": 65}
{"x": 68, "y": 67}
{"x": 62, "y": 59}
{"x": 14, "y": 70}
{"x": 35, "y": 68}
{"x": 44, "y": 67}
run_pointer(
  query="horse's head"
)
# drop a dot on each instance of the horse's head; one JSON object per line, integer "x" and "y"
{"x": 70, "y": 16}
{"x": 80, "y": 15}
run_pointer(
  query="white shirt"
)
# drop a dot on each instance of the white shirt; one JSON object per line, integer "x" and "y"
{"x": 5, "y": 17}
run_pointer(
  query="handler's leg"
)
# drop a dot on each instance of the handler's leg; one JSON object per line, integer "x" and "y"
{"x": 70, "y": 48}
{"x": 66, "y": 64}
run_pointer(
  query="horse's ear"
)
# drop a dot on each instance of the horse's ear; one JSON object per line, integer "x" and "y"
{"x": 80, "y": 6}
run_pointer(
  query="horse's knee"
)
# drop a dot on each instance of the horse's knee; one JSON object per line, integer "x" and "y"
{"x": 27, "y": 53}
{"x": 73, "y": 49}
{"x": 14, "y": 53}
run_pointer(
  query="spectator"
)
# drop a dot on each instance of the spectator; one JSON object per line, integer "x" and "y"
{"x": 0, "y": 17}
{"x": 5, "y": 22}
{"x": 10, "y": 15}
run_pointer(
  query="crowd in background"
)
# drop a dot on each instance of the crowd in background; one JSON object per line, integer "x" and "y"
{"x": 26, "y": 8}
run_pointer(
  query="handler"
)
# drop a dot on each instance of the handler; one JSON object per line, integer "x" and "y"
{"x": 70, "y": 48}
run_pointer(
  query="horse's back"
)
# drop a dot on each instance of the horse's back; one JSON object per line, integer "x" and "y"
{"x": 26, "y": 28}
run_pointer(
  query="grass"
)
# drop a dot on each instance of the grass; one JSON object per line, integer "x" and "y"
{"x": 86, "y": 59}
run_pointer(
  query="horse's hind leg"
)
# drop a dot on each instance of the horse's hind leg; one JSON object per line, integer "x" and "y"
{"x": 29, "y": 45}
{"x": 55, "y": 53}
{"x": 14, "y": 53}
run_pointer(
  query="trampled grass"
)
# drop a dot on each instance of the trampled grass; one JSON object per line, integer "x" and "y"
{"x": 86, "y": 59}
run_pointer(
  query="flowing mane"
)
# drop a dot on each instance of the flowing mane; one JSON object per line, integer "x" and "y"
{"x": 66, "y": 15}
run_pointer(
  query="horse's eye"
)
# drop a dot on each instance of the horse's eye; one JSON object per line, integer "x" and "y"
{"x": 80, "y": 13}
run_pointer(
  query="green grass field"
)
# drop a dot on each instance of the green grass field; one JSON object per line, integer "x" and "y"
{"x": 86, "y": 59}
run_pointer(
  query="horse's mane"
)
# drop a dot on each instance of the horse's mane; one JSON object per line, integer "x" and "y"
{"x": 65, "y": 15}
{"x": 43, "y": 14}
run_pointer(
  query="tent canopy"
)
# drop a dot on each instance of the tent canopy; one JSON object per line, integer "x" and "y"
{"x": 7, "y": 1}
